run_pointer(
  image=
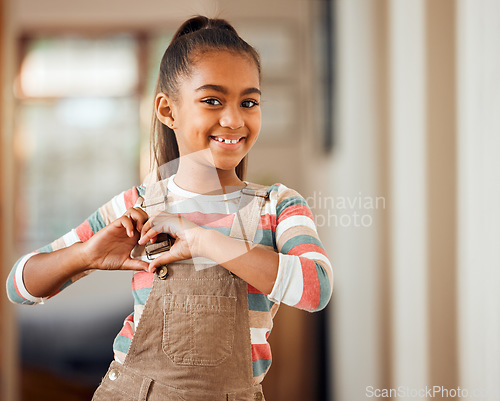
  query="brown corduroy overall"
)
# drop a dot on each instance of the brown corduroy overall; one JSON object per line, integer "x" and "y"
{"x": 192, "y": 342}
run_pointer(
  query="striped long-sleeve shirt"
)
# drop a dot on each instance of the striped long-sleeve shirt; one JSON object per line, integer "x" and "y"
{"x": 286, "y": 225}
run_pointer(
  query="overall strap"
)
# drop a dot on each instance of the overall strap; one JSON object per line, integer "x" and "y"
{"x": 246, "y": 221}
{"x": 155, "y": 197}
{"x": 155, "y": 200}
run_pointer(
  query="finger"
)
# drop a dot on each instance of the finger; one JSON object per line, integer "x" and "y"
{"x": 151, "y": 234}
{"x": 149, "y": 223}
{"x": 139, "y": 216}
{"x": 128, "y": 225}
{"x": 145, "y": 228}
{"x": 135, "y": 264}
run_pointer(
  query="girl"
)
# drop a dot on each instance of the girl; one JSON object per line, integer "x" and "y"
{"x": 206, "y": 294}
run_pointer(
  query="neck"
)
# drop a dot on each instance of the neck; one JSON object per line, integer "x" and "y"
{"x": 197, "y": 173}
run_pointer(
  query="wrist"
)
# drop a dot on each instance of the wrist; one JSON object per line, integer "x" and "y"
{"x": 84, "y": 261}
{"x": 202, "y": 240}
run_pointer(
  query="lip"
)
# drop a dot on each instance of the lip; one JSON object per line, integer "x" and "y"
{"x": 229, "y": 146}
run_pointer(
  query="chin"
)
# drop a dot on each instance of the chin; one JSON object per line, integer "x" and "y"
{"x": 226, "y": 166}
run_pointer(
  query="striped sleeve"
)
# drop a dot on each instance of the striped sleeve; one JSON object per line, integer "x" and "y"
{"x": 305, "y": 275}
{"x": 116, "y": 207}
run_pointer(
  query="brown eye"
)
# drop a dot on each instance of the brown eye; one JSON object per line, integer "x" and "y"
{"x": 249, "y": 104}
{"x": 212, "y": 102}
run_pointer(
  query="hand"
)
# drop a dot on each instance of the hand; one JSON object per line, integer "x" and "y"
{"x": 185, "y": 232}
{"x": 109, "y": 249}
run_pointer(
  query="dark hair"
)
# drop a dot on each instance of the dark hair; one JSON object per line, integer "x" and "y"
{"x": 195, "y": 37}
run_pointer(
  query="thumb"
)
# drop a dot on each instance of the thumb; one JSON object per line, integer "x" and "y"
{"x": 162, "y": 260}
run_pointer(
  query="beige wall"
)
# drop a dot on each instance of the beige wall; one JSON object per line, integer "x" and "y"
{"x": 417, "y": 87}
{"x": 8, "y": 361}
{"x": 112, "y": 13}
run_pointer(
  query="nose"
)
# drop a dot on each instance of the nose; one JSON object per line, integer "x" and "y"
{"x": 231, "y": 118}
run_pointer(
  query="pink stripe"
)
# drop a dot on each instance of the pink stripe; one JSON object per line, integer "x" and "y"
{"x": 253, "y": 290}
{"x": 142, "y": 280}
{"x": 303, "y": 248}
{"x": 295, "y": 210}
{"x": 130, "y": 197}
{"x": 261, "y": 351}
{"x": 126, "y": 330}
{"x": 266, "y": 222}
{"x": 17, "y": 289}
{"x": 311, "y": 288}
{"x": 84, "y": 231}
{"x": 224, "y": 220}
{"x": 272, "y": 222}
{"x": 209, "y": 219}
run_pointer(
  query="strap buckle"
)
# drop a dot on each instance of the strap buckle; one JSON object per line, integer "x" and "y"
{"x": 163, "y": 243}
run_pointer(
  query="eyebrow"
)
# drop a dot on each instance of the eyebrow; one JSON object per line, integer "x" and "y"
{"x": 222, "y": 89}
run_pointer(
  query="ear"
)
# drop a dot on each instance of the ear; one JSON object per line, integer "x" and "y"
{"x": 164, "y": 109}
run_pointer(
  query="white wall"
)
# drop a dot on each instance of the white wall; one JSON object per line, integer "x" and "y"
{"x": 408, "y": 206}
{"x": 416, "y": 168}
{"x": 478, "y": 65}
{"x": 353, "y": 169}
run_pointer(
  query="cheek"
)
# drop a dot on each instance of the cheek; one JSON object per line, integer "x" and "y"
{"x": 255, "y": 123}
{"x": 255, "y": 131}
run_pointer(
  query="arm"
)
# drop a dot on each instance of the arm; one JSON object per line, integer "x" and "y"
{"x": 101, "y": 242}
{"x": 305, "y": 276}
{"x": 299, "y": 274}
{"x": 256, "y": 264}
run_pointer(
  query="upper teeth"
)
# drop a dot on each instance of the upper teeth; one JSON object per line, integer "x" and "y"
{"x": 226, "y": 140}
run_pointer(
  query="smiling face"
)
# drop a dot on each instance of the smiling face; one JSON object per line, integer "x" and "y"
{"x": 217, "y": 107}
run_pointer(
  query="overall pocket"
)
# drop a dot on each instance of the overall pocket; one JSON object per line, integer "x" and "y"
{"x": 198, "y": 330}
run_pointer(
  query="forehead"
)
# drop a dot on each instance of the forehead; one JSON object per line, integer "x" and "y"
{"x": 235, "y": 71}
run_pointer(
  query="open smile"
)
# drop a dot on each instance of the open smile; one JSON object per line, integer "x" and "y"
{"x": 227, "y": 140}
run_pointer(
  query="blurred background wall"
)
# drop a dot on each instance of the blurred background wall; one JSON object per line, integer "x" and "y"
{"x": 405, "y": 198}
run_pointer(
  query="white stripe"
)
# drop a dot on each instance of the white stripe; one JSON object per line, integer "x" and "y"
{"x": 192, "y": 206}
{"x": 120, "y": 356}
{"x": 71, "y": 238}
{"x": 282, "y": 188}
{"x": 289, "y": 282}
{"x": 258, "y": 335}
{"x": 118, "y": 203}
{"x": 138, "y": 311}
{"x": 269, "y": 207}
{"x": 172, "y": 187}
{"x": 294, "y": 221}
{"x": 20, "y": 283}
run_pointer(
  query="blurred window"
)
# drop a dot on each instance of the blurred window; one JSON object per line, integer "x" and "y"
{"x": 77, "y": 133}
{"x": 77, "y": 145}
